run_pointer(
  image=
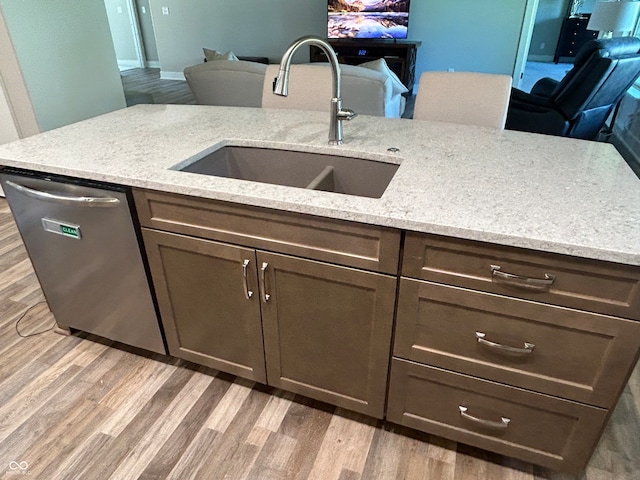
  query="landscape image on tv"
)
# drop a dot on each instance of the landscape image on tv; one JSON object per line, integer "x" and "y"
{"x": 368, "y": 18}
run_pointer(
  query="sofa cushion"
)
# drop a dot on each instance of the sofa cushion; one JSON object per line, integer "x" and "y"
{"x": 212, "y": 55}
{"x": 380, "y": 65}
{"x": 366, "y": 91}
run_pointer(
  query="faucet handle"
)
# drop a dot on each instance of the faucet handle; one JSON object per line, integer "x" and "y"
{"x": 346, "y": 114}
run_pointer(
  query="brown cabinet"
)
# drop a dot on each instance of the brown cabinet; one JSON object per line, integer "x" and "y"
{"x": 326, "y": 328}
{"x": 208, "y": 316}
{"x": 511, "y": 421}
{"x": 545, "y": 341}
{"x": 584, "y": 284}
{"x": 327, "y": 331}
{"x": 568, "y": 353}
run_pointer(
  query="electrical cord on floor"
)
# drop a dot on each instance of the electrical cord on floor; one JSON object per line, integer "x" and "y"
{"x": 24, "y": 315}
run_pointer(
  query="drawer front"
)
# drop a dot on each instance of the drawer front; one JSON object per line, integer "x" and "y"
{"x": 536, "y": 428}
{"x": 577, "y": 355}
{"x": 602, "y": 287}
{"x": 347, "y": 243}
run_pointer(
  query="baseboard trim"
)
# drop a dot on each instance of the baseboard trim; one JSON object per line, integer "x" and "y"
{"x": 164, "y": 75}
{"x": 153, "y": 64}
{"x": 126, "y": 64}
{"x": 540, "y": 58}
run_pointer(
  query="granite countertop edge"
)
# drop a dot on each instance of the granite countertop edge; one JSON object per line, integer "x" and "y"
{"x": 516, "y": 189}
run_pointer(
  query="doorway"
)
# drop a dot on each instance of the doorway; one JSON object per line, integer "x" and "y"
{"x": 132, "y": 33}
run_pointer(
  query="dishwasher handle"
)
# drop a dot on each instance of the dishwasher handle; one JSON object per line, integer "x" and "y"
{"x": 64, "y": 199}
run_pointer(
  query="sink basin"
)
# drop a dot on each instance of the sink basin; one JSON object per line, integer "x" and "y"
{"x": 331, "y": 173}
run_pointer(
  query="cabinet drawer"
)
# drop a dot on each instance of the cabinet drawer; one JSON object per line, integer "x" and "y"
{"x": 584, "y": 284}
{"x": 347, "y": 243}
{"x": 536, "y": 428}
{"x": 583, "y": 356}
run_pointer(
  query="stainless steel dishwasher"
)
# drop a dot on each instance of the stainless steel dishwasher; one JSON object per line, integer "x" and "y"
{"x": 84, "y": 248}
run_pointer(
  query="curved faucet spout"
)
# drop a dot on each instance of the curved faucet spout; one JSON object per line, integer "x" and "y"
{"x": 281, "y": 84}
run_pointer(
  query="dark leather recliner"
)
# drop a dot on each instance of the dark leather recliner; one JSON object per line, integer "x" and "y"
{"x": 579, "y": 104}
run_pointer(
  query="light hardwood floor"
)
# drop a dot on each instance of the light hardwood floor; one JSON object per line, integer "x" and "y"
{"x": 144, "y": 85}
{"x": 80, "y": 407}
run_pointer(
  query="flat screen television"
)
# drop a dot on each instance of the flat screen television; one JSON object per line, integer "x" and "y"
{"x": 380, "y": 19}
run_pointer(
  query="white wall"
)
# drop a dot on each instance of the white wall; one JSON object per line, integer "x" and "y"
{"x": 246, "y": 27}
{"x": 8, "y": 129}
{"x": 467, "y": 35}
{"x": 547, "y": 29}
{"x": 67, "y": 58}
{"x": 459, "y": 34}
{"x": 122, "y": 33}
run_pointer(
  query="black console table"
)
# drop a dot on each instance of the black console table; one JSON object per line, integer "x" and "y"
{"x": 400, "y": 55}
{"x": 573, "y": 35}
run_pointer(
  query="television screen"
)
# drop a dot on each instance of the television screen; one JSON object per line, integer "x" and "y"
{"x": 368, "y": 18}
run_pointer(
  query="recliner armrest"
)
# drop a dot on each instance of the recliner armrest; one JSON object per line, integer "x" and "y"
{"x": 528, "y": 101}
{"x": 533, "y": 113}
{"x": 544, "y": 87}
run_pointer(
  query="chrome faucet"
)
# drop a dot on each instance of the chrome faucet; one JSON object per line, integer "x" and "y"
{"x": 337, "y": 113}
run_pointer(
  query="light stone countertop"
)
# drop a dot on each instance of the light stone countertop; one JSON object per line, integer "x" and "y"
{"x": 512, "y": 188}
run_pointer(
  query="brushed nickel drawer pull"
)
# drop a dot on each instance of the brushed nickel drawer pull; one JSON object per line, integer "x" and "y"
{"x": 502, "y": 424}
{"x": 525, "y": 283}
{"x": 527, "y": 349}
{"x": 265, "y": 295}
{"x": 247, "y": 293}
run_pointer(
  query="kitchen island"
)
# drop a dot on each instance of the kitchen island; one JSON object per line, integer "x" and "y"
{"x": 491, "y": 240}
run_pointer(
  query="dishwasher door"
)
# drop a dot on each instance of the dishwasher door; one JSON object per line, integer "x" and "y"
{"x": 84, "y": 249}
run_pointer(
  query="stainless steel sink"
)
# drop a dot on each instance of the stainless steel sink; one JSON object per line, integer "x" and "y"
{"x": 351, "y": 176}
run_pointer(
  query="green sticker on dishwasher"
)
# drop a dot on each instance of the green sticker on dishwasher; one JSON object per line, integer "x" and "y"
{"x": 61, "y": 228}
{"x": 70, "y": 231}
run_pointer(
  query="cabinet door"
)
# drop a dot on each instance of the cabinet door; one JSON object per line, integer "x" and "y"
{"x": 327, "y": 330}
{"x": 208, "y": 301}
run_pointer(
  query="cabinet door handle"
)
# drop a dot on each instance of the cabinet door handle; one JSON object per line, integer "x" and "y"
{"x": 527, "y": 349}
{"x": 263, "y": 281}
{"x": 525, "y": 283}
{"x": 501, "y": 425}
{"x": 247, "y": 293}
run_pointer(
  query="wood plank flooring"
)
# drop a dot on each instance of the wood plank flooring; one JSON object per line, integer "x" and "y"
{"x": 144, "y": 85}
{"x": 80, "y": 407}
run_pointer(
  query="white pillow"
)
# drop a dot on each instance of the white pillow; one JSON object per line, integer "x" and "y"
{"x": 212, "y": 55}
{"x": 381, "y": 66}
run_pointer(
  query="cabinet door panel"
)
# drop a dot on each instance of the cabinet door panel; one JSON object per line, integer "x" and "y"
{"x": 328, "y": 331}
{"x": 206, "y": 314}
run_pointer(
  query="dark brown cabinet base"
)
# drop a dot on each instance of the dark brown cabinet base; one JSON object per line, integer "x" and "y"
{"x": 207, "y": 317}
{"x": 323, "y": 330}
{"x": 328, "y": 331}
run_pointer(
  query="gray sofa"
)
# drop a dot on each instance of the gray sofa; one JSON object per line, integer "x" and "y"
{"x": 249, "y": 84}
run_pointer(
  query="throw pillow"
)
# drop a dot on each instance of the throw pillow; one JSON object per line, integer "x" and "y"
{"x": 381, "y": 66}
{"x": 212, "y": 55}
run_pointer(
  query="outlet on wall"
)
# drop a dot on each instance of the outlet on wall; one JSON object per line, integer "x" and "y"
{"x": 542, "y": 45}
{"x": 165, "y": 10}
